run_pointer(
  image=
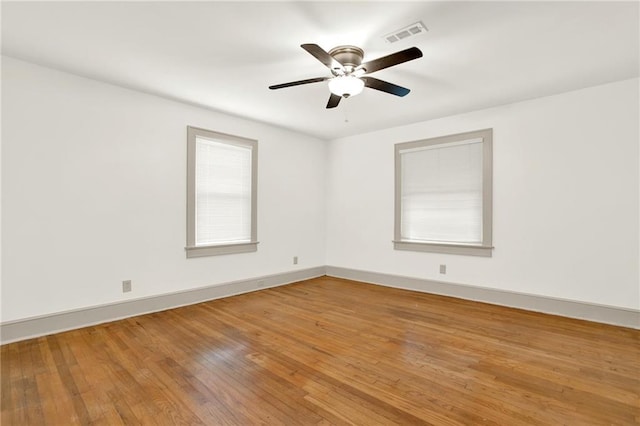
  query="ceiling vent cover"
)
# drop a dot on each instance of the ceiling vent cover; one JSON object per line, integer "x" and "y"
{"x": 406, "y": 32}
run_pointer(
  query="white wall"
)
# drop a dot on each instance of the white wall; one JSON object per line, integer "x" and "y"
{"x": 93, "y": 191}
{"x": 565, "y": 199}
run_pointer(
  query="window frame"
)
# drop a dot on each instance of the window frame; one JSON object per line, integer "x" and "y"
{"x": 485, "y": 248}
{"x": 193, "y": 250}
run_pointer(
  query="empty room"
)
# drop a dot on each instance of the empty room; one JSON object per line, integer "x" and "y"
{"x": 320, "y": 213}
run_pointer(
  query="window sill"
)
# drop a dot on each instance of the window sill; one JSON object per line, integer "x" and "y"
{"x": 216, "y": 250}
{"x": 463, "y": 249}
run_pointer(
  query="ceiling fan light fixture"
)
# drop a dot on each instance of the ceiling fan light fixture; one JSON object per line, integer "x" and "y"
{"x": 349, "y": 75}
{"x": 346, "y": 85}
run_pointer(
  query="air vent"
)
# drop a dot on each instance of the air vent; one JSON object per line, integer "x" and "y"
{"x": 406, "y": 32}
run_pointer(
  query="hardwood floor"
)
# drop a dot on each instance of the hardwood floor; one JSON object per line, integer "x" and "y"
{"x": 328, "y": 351}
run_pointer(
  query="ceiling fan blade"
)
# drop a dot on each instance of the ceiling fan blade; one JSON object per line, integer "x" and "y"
{"x": 384, "y": 86}
{"x": 391, "y": 60}
{"x": 320, "y": 54}
{"x": 334, "y": 100}
{"x": 298, "y": 83}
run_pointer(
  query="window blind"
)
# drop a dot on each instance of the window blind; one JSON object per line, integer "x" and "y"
{"x": 223, "y": 193}
{"x": 441, "y": 191}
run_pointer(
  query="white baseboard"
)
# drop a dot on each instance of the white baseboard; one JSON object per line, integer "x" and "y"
{"x": 13, "y": 331}
{"x": 548, "y": 305}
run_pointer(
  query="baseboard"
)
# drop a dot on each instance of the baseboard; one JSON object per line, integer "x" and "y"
{"x": 13, "y": 331}
{"x": 567, "y": 308}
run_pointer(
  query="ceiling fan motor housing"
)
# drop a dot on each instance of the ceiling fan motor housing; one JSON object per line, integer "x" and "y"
{"x": 349, "y": 56}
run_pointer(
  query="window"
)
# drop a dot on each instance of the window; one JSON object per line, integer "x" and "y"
{"x": 221, "y": 193}
{"x": 443, "y": 194}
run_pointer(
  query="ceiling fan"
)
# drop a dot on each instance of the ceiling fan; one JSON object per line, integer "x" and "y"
{"x": 350, "y": 75}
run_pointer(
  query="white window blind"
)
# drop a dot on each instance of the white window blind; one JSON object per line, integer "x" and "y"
{"x": 441, "y": 193}
{"x": 223, "y": 193}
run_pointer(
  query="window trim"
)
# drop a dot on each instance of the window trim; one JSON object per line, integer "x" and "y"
{"x": 485, "y": 248}
{"x": 192, "y": 250}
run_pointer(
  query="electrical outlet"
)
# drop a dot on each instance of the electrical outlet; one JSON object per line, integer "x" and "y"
{"x": 443, "y": 269}
{"x": 126, "y": 286}
{"x": 295, "y": 260}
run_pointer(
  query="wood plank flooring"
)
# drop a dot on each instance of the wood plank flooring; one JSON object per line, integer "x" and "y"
{"x": 328, "y": 351}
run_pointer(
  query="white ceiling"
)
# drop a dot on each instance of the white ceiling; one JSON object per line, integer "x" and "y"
{"x": 224, "y": 55}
